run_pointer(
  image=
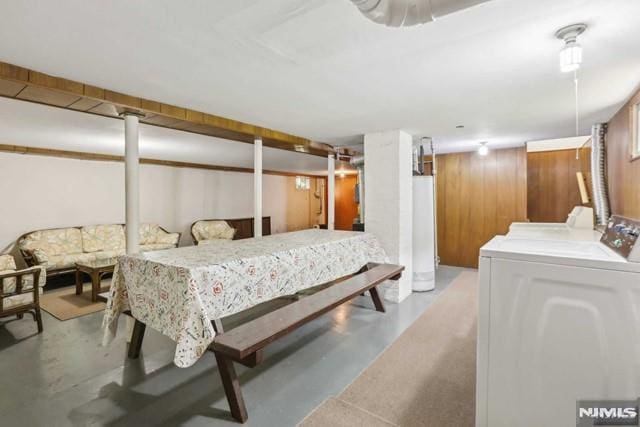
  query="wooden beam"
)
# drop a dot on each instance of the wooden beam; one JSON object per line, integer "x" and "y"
{"x": 156, "y": 113}
{"x": 81, "y": 155}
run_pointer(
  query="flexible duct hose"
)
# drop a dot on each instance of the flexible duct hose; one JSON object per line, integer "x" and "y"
{"x": 404, "y": 13}
{"x": 358, "y": 162}
{"x": 598, "y": 181}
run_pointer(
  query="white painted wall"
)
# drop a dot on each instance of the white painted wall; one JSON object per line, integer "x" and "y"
{"x": 388, "y": 212}
{"x": 45, "y": 192}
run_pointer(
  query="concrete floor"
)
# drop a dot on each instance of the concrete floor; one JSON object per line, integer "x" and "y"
{"x": 64, "y": 377}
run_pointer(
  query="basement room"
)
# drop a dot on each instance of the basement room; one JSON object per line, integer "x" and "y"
{"x": 320, "y": 213}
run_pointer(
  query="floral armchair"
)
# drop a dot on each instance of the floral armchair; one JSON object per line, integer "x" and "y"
{"x": 20, "y": 290}
{"x": 213, "y": 231}
{"x": 209, "y": 232}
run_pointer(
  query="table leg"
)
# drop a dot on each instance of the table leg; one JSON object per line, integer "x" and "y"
{"x": 230, "y": 380}
{"x": 136, "y": 339}
{"x": 231, "y": 386}
{"x": 78, "y": 282}
{"x": 95, "y": 286}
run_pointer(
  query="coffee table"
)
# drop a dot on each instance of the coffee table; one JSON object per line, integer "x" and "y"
{"x": 95, "y": 270}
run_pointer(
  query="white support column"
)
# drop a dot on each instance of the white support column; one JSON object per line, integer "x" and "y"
{"x": 132, "y": 182}
{"x": 388, "y": 182}
{"x": 257, "y": 186}
{"x": 331, "y": 192}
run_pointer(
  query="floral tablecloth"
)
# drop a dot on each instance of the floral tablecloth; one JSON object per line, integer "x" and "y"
{"x": 180, "y": 291}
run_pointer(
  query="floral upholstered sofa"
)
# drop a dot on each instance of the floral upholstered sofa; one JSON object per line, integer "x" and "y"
{"x": 16, "y": 300}
{"x": 59, "y": 249}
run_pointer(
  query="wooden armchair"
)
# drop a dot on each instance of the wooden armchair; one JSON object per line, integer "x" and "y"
{"x": 20, "y": 293}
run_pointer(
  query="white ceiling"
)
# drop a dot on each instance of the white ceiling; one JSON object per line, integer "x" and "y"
{"x": 35, "y": 125}
{"x": 319, "y": 69}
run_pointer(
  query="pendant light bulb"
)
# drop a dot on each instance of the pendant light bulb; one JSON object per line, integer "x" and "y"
{"x": 571, "y": 54}
{"x": 483, "y": 150}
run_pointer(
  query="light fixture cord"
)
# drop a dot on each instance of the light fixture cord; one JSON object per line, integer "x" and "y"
{"x": 575, "y": 88}
{"x": 575, "y": 83}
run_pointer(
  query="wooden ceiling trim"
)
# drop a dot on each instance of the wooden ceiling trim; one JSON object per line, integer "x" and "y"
{"x": 10, "y": 88}
{"x": 58, "y": 91}
{"x": 50, "y": 82}
{"x": 81, "y": 155}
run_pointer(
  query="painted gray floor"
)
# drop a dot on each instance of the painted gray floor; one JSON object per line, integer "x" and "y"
{"x": 63, "y": 377}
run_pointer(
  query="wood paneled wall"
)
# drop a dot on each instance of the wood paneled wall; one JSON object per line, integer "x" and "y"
{"x": 478, "y": 198}
{"x": 346, "y": 207}
{"x": 304, "y": 209}
{"x": 552, "y": 184}
{"x": 623, "y": 175}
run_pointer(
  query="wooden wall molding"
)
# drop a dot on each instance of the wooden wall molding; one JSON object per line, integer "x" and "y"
{"x": 80, "y": 155}
{"x": 29, "y": 85}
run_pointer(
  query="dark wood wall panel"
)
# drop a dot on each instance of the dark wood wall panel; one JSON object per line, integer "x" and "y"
{"x": 623, "y": 175}
{"x": 552, "y": 183}
{"x": 478, "y": 198}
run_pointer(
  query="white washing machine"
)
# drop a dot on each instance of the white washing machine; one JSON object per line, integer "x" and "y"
{"x": 558, "y": 321}
{"x": 579, "y": 226}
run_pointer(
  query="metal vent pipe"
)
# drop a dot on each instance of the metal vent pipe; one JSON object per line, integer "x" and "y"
{"x": 598, "y": 180}
{"x": 358, "y": 162}
{"x": 404, "y": 13}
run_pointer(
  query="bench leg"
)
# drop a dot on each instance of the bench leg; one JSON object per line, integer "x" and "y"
{"x": 136, "y": 339}
{"x": 231, "y": 386}
{"x": 377, "y": 301}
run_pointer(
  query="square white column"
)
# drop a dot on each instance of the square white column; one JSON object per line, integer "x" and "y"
{"x": 388, "y": 203}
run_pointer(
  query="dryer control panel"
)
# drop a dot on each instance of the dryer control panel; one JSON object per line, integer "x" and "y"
{"x": 623, "y": 236}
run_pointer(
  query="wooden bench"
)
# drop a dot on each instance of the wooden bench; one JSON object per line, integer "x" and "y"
{"x": 245, "y": 343}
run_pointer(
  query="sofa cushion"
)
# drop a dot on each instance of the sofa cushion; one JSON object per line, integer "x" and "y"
{"x": 57, "y": 262}
{"x": 210, "y": 230}
{"x": 156, "y": 247}
{"x": 109, "y": 237}
{"x": 27, "y": 281}
{"x": 213, "y": 242}
{"x": 104, "y": 255}
{"x": 152, "y": 233}
{"x": 148, "y": 233}
{"x": 17, "y": 300}
{"x": 8, "y": 265}
{"x": 165, "y": 238}
{"x": 53, "y": 242}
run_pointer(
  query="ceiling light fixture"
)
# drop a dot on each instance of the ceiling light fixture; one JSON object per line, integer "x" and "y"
{"x": 571, "y": 53}
{"x": 571, "y": 59}
{"x": 483, "y": 150}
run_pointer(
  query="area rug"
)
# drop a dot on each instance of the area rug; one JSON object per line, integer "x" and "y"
{"x": 426, "y": 377}
{"x": 64, "y": 304}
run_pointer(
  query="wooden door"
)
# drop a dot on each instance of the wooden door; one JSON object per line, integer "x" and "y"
{"x": 346, "y": 207}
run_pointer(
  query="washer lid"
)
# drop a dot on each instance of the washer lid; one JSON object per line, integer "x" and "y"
{"x": 554, "y": 233}
{"x": 578, "y": 253}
